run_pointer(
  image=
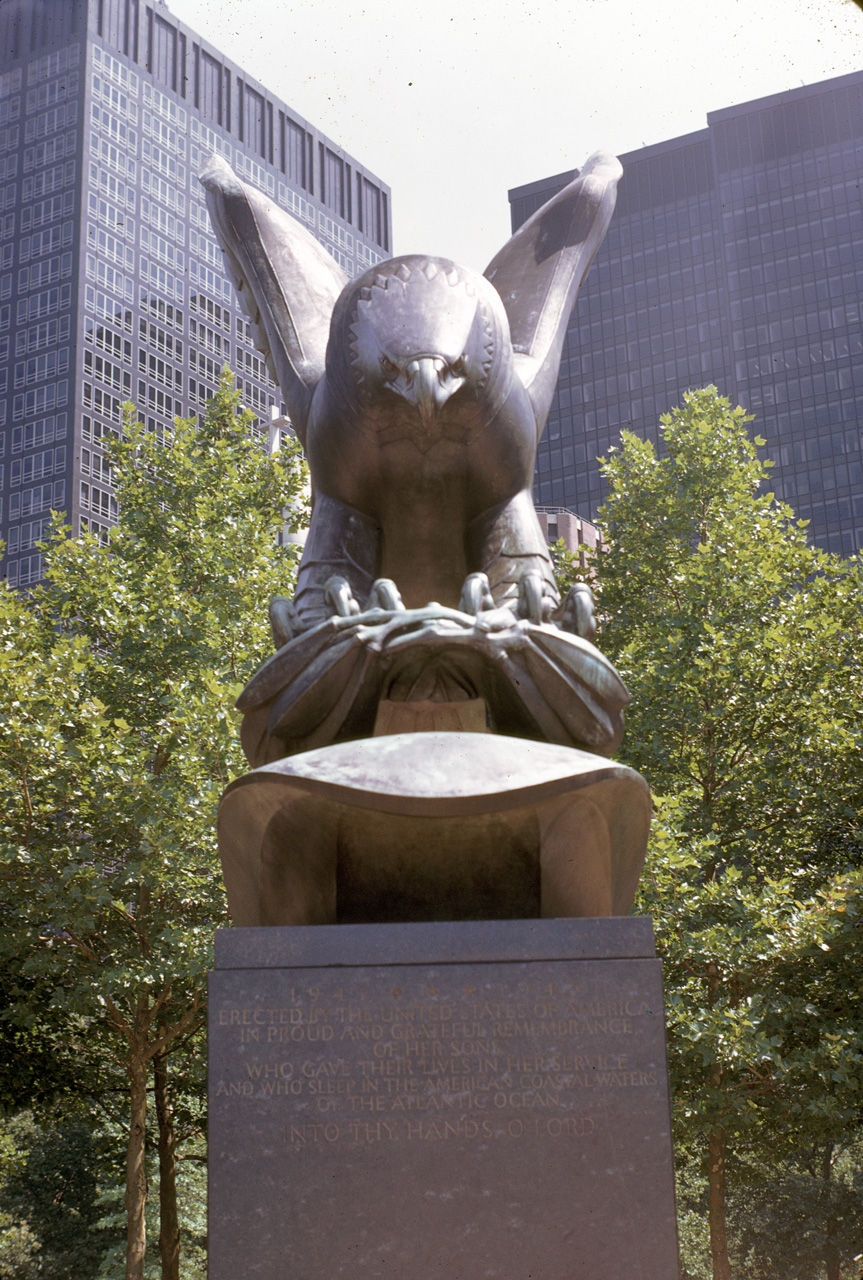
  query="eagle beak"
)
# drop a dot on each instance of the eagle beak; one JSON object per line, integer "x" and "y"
{"x": 427, "y": 386}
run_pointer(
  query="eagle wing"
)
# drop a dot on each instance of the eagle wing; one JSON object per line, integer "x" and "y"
{"x": 287, "y": 281}
{"x": 540, "y": 270}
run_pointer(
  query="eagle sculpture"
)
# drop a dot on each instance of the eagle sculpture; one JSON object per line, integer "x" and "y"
{"x": 425, "y": 595}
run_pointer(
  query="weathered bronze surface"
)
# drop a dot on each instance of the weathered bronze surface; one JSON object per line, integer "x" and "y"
{"x": 426, "y": 606}
{"x": 376, "y": 1113}
{"x": 419, "y": 392}
{"x": 433, "y": 826}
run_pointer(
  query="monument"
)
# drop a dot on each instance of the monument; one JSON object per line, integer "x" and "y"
{"x": 436, "y": 1042}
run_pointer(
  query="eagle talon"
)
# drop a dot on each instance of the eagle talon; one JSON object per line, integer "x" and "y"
{"x": 285, "y": 622}
{"x": 476, "y": 597}
{"x": 576, "y": 613}
{"x": 385, "y": 595}
{"x": 530, "y": 597}
{"x": 340, "y": 598}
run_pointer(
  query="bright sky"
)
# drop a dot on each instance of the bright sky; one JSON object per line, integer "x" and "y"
{"x": 455, "y": 101}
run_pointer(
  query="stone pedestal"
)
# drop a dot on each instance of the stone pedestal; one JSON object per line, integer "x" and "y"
{"x": 463, "y": 1100}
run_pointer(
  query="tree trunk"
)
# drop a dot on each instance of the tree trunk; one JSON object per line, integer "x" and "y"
{"x": 832, "y": 1256}
{"x": 169, "y": 1229}
{"x": 716, "y": 1204}
{"x": 136, "y": 1173}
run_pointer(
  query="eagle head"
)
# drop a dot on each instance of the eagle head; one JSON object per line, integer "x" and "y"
{"x": 422, "y": 342}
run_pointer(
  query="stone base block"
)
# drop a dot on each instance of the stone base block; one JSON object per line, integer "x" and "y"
{"x": 463, "y": 1100}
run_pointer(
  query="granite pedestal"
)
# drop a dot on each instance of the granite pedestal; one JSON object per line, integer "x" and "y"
{"x": 463, "y": 1100}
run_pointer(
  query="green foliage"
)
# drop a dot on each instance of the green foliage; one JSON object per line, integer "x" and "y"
{"x": 118, "y": 676}
{"x": 740, "y": 640}
{"x": 786, "y": 1224}
{"x": 118, "y": 681}
{"x": 49, "y": 1177}
{"x": 741, "y": 646}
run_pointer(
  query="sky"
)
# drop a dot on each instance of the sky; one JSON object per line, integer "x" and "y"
{"x": 455, "y": 102}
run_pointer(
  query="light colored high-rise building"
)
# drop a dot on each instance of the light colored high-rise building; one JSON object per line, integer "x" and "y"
{"x": 112, "y": 285}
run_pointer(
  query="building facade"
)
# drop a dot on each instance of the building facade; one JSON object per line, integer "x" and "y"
{"x": 734, "y": 257}
{"x": 112, "y": 285}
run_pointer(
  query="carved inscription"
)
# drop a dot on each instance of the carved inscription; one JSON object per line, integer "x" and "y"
{"x": 367, "y": 1061}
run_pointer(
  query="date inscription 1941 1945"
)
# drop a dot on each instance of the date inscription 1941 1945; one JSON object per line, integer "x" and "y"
{"x": 426, "y": 1055}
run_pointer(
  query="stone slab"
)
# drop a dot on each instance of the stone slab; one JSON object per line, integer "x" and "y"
{"x": 464, "y": 1115}
{"x": 446, "y": 942}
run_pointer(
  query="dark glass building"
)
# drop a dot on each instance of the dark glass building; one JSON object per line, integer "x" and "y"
{"x": 112, "y": 286}
{"x": 735, "y": 257}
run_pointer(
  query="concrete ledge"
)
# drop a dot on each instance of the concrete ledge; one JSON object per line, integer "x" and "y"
{"x": 450, "y": 942}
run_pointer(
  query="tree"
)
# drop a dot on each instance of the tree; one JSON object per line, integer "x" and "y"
{"x": 52, "y": 1188}
{"x": 119, "y": 675}
{"x": 741, "y": 646}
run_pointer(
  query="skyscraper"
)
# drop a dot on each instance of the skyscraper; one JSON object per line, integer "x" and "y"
{"x": 735, "y": 257}
{"x": 112, "y": 286}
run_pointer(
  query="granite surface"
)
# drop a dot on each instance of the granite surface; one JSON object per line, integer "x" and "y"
{"x": 460, "y": 1113}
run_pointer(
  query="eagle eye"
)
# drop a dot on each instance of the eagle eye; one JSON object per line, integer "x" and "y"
{"x": 389, "y": 368}
{"x": 458, "y": 367}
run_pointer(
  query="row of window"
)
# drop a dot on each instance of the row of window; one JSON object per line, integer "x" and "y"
{"x": 112, "y": 187}
{"x": 37, "y": 466}
{"x": 46, "y": 303}
{"x": 24, "y": 537}
{"x": 98, "y": 500}
{"x": 103, "y": 403}
{"x": 97, "y": 466}
{"x": 53, "y": 93}
{"x": 111, "y": 216}
{"x": 108, "y": 154}
{"x": 108, "y": 277}
{"x": 41, "y": 498}
{"x": 41, "y": 368}
{"x": 164, "y": 281}
{"x": 113, "y": 98}
{"x": 158, "y": 370}
{"x": 110, "y": 248}
{"x": 823, "y": 480}
{"x": 96, "y": 366}
{"x": 53, "y": 64}
{"x": 36, "y": 434}
{"x": 163, "y": 250}
{"x": 157, "y": 337}
{"x": 48, "y": 181}
{"x": 24, "y": 572}
{"x": 157, "y": 187}
{"x": 50, "y": 151}
{"x": 167, "y": 223}
{"x": 114, "y": 127}
{"x": 40, "y": 400}
{"x": 206, "y": 337}
{"x": 97, "y": 528}
{"x": 94, "y": 431}
{"x": 162, "y": 133}
{"x": 115, "y": 71}
{"x": 102, "y": 304}
{"x": 170, "y": 111}
{"x": 45, "y": 272}
{"x": 105, "y": 339}
{"x": 40, "y": 243}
